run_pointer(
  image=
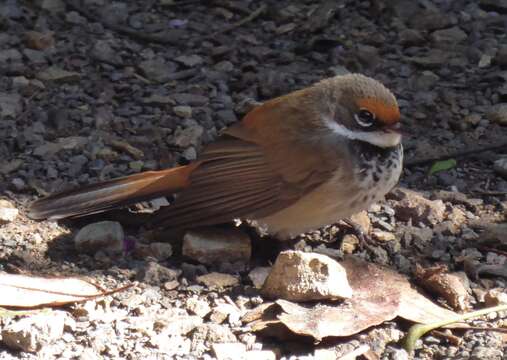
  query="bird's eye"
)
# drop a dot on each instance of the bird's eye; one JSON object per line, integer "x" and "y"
{"x": 365, "y": 118}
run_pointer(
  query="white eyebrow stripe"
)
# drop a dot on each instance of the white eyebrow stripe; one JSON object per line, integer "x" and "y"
{"x": 378, "y": 138}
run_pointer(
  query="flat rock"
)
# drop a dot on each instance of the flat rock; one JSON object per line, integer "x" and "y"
{"x": 106, "y": 236}
{"x": 212, "y": 245}
{"x": 8, "y": 212}
{"x": 32, "y": 333}
{"x": 299, "y": 276}
{"x": 190, "y": 60}
{"x": 412, "y": 206}
{"x": 449, "y": 36}
{"x": 183, "y": 111}
{"x": 217, "y": 280}
{"x": 56, "y": 74}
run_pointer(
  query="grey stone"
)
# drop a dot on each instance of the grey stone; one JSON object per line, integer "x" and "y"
{"x": 449, "y": 36}
{"x": 190, "y": 60}
{"x": 157, "y": 70}
{"x": 213, "y": 246}
{"x": 56, "y": 74}
{"x": 183, "y": 111}
{"x": 189, "y": 136}
{"x": 107, "y": 236}
{"x": 156, "y": 274}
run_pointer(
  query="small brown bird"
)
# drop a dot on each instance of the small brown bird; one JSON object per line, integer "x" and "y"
{"x": 293, "y": 164}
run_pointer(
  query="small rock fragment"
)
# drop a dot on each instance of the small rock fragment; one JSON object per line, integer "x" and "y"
{"x": 414, "y": 207}
{"x": 8, "y": 212}
{"x": 198, "y": 307}
{"x": 190, "y": 60}
{"x": 161, "y": 251}
{"x": 183, "y": 111}
{"x": 495, "y": 297}
{"x": 156, "y": 274}
{"x": 212, "y": 245}
{"x": 451, "y": 36}
{"x": 229, "y": 351}
{"x": 56, "y": 74}
{"x": 181, "y": 325}
{"x": 258, "y": 275}
{"x": 189, "y": 136}
{"x": 32, "y": 333}
{"x": 157, "y": 70}
{"x": 39, "y": 41}
{"x": 299, "y": 276}
{"x": 107, "y": 236}
{"x": 383, "y": 235}
{"x": 217, "y": 280}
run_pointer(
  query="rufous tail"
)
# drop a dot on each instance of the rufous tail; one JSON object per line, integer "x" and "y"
{"x": 112, "y": 194}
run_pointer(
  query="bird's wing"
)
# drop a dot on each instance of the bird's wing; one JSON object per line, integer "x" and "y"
{"x": 238, "y": 177}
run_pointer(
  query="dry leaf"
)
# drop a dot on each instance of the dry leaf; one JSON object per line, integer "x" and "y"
{"x": 450, "y": 286}
{"x": 379, "y": 294}
{"x": 22, "y": 291}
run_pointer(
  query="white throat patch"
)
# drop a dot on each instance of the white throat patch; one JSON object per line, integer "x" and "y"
{"x": 378, "y": 138}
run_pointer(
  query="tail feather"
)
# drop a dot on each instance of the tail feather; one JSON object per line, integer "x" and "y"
{"x": 112, "y": 194}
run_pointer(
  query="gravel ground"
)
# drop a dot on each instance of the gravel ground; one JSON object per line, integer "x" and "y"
{"x": 89, "y": 91}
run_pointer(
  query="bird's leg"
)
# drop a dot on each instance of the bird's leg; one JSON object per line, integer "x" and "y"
{"x": 365, "y": 241}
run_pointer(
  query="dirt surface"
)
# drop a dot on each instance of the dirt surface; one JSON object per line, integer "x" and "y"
{"x": 98, "y": 92}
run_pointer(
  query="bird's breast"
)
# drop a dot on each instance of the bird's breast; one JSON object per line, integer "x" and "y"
{"x": 348, "y": 191}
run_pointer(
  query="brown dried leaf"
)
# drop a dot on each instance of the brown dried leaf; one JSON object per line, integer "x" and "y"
{"x": 450, "y": 286}
{"x": 22, "y": 291}
{"x": 379, "y": 294}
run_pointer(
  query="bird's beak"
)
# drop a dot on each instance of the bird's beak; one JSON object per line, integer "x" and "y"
{"x": 394, "y": 128}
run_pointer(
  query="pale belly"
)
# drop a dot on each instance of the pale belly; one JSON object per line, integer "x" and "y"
{"x": 338, "y": 198}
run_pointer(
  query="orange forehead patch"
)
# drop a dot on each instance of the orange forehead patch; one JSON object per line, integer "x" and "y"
{"x": 388, "y": 114}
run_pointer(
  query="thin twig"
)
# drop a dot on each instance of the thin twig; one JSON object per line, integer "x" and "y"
{"x": 255, "y": 14}
{"x": 455, "y": 154}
